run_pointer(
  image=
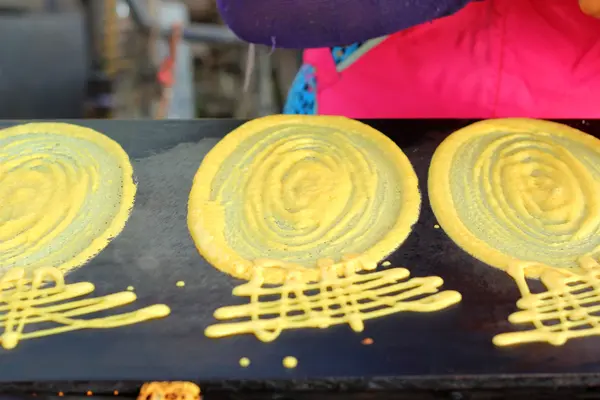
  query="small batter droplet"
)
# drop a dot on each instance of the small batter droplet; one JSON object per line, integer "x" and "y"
{"x": 244, "y": 362}
{"x": 180, "y": 283}
{"x": 386, "y": 263}
{"x": 130, "y": 288}
{"x": 290, "y": 362}
{"x": 436, "y": 226}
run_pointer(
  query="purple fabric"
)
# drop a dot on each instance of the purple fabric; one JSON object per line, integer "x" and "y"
{"x": 327, "y": 23}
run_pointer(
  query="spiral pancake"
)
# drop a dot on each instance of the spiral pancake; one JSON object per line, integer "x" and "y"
{"x": 65, "y": 192}
{"x": 296, "y": 193}
{"x": 519, "y": 190}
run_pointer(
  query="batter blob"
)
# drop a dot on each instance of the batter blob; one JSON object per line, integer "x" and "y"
{"x": 334, "y": 300}
{"x": 295, "y": 193}
{"x": 513, "y": 190}
{"x": 290, "y": 362}
{"x": 40, "y": 298}
{"x": 569, "y": 308}
{"x": 65, "y": 192}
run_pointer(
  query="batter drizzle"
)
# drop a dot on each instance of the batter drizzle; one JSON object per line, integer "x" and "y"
{"x": 569, "y": 308}
{"x": 44, "y": 297}
{"x": 352, "y": 299}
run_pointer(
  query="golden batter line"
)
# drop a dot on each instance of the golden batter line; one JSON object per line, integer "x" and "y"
{"x": 45, "y": 297}
{"x": 352, "y": 299}
{"x": 569, "y": 308}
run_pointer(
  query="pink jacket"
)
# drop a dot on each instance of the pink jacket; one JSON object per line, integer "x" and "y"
{"x": 495, "y": 58}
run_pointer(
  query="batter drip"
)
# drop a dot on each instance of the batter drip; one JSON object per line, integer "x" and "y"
{"x": 352, "y": 299}
{"x": 570, "y": 307}
{"x": 65, "y": 192}
{"x": 43, "y": 297}
{"x": 288, "y": 194}
{"x": 519, "y": 190}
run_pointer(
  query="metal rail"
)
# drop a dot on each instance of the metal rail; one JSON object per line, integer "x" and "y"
{"x": 196, "y": 32}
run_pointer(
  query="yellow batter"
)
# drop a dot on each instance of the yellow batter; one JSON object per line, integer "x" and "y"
{"x": 351, "y": 299}
{"x": 568, "y": 309}
{"x": 296, "y": 193}
{"x": 244, "y": 362}
{"x": 42, "y": 297}
{"x": 290, "y": 362}
{"x": 65, "y": 192}
{"x": 519, "y": 190}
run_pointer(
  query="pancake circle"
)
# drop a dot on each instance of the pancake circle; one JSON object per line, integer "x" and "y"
{"x": 512, "y": 190}
{"x": 294, "y": 194}
{"x": 65, "y": 192}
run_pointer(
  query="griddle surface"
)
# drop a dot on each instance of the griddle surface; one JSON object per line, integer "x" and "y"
{"x": 155, "y": 251}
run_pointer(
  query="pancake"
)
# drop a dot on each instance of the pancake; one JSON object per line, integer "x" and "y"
{"x": 514, "y": 190}
{"x": 65, "y": 192}
{"x": 294, "y": 194}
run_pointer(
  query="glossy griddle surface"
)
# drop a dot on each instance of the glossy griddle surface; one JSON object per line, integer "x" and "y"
{"x": 155, "y": 251}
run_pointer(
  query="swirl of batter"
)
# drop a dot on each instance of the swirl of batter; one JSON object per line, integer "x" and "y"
{"x": 290, "y": 193}
{"x": 65, "y": 192}
{"x": 518, "y": 189}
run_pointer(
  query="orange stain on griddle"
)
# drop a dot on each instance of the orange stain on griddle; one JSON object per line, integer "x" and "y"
{"x": 367, "y": 341}
{"x": 116, "y": 392}
{"x": 60, "y": 394}
{"x": 89, "y": 393}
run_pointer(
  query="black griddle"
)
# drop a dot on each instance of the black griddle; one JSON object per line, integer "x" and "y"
{"x": 450, "y": 351}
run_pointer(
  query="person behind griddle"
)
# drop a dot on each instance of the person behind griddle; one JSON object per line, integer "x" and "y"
{"x": 433, "y": 58}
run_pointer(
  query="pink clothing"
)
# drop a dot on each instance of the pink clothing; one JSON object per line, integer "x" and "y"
{"x": 494, "y": 58}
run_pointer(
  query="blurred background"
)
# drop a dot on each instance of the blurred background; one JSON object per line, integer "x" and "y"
{"x": 159, "y": 59}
